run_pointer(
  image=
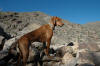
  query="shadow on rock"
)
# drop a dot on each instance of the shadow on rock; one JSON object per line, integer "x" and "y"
{"x": 6, "y": 37}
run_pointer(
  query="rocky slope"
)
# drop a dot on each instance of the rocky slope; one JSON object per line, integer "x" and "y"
{"x": 93, "y": 26}
{"x": 13, "y": 25}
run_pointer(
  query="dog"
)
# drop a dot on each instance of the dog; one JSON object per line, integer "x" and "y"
{"x": 43, "y": 34}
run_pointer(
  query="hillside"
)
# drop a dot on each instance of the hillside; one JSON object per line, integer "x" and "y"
{"x": 74, "y": 44}
{"x": 93, "y": 26}
{"x": 13, "y": 23}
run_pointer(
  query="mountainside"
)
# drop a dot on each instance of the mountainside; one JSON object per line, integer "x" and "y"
{"x": 93, "y": 26}
{"x": 14, "y": 23}
{"x": 71, "y": 44}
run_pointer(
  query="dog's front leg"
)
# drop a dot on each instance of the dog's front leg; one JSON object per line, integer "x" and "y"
{"x": 47, "y": 49}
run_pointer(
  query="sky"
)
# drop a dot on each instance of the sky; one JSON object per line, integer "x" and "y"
{"x": 75, "y": 11}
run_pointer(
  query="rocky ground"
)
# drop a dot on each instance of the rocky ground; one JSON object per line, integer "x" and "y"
{"x": 71, "y": 45}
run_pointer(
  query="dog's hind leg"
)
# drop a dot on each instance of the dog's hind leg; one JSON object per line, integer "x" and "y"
{"x": 25, "y": 57}
{"x": 19, "y": 59}
{"x": 24, "y": 49}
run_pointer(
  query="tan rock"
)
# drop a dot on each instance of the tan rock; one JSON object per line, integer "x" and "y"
{"x": 68, "y": 60}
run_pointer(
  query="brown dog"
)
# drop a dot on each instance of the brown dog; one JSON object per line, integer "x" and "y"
{"x": 42, "y": 34}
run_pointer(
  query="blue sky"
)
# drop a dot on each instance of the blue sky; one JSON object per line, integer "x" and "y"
{"x": 76, "y": 11}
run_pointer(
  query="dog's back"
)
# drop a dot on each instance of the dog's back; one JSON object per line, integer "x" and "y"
{"x": 40, "y": 34}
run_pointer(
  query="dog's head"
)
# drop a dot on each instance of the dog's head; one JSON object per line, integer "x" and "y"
{"x": 56, "y": 21}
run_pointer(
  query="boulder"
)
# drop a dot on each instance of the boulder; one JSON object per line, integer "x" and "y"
{"x": 69, "y": 60}
{"x": 85, "y": 58}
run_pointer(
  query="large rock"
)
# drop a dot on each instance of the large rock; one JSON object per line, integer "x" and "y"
{"x": 69, "y": 60}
